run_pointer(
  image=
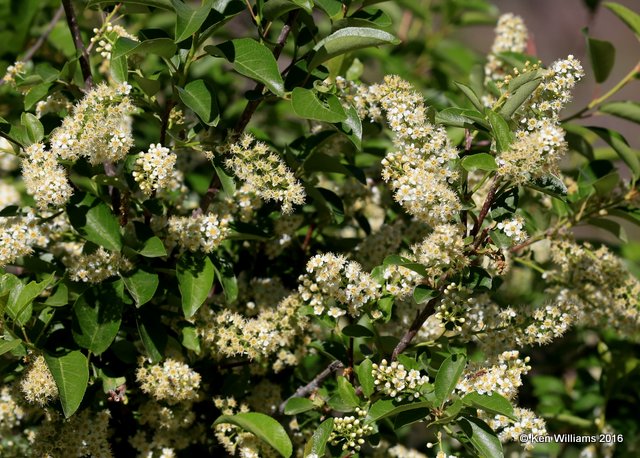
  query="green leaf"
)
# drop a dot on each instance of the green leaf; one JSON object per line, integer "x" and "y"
{"x": 189, "y": 19}
{"x": 461, "y": 117}
{"x": 163, "y": 47}
{"x": 152, "y": 248}
{"x": 153, "y": 335}
{"x": 227, "y": 278}
{"x": 253, "y": 60}
{"x": 201, "y": 99}
{"x": 161, "y": 4}
{"x": 357, "y": 330}
{"x": 190, "y": 338}
{"x": 119, "y": 69}
{"x": 492, "y": 403}
{"x": 97, "y": 315}
{"x": 628, "y": 110}
{"x": 33, "y": 127}
{"x": 621, "y": 147}
{"x": 295, "y": 406}
{"x": 480, "y": 161}
{"x": 447, "y": 377}
{"x": 333, "y": 8}
{"x": 263, "y": 427}
{"x": 19, "y": 302}
{"x": 516, "y": 99}
{"x": 7, "y": 346}
{"x": 422, "y": 294}
{"x": 610, "y": 226}
{"x": 482, "y": 437}
{"x": 388, "y": 407}
{"x": 318, "y": 443}
{"x": 352, "y": 126}
{"x": 347, "y": 392}
{"x": 142, "y": 284}
{"x": 308, "y": 105}
{"x": 602, "y": 55}
{"x": 94, "y": 221}
{"x": 273, "y": 9}
{"x": 501, "y": 132}
{"x": 349, "y": 39}
{"x": 549, "y": 184}
{"x": 195, "y": 277}
{"x": 365, "y": 377}
{"x": 394, "y": 259}
{"x": 228, "y": 185}
{"x": 35, "y": 94}
{"x": 629, "y": 17}
{"x": 520, "y": 80}
{"x": 71, "y": 374}
{"x": 471, "y": 95}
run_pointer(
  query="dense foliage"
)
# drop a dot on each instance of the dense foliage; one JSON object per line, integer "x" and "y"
{"x": 311, "y": 228}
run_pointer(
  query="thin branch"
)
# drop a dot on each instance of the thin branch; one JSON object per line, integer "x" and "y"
{"x": 83, "y": 57}
{"x": 314, "y": 384}
{"x": 419, "y": 320}
{"x": 486, "y": 206}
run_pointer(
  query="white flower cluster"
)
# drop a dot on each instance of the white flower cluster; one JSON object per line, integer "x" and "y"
{"x": 350, "y": 430}
{"x": 419, "y": 167}
{"x": 511, "y": 36}
{"x": 13, "y": 71}
{"x": 442, "y": 250}
{"x": 38, "y": 385}
{"x": 153, "y": 169}
{"x": 396, "y": 381}
{"x": 512, "y": 431}
{"x": 400, "y": 281}
{"x": 54, "y": 103}
{"x": 99, "y": 128}
{"x": 337, "y": 284}
{"x": 172, "y": 382}
{"x": 44, "y": 178}
{"x": 513, "y": 229}
{"x": 97, "y": 266}
{"x": 18, "y": 234}
{"x": 265, "y": 173}
{"x": 504, "y": 378}
{"x": 202, "y": 232}
{"x": 11, "y": 414}
{"x": 555, "y": 90}
{"x": 106, "y": 36}
{"x": 400, "y": 451}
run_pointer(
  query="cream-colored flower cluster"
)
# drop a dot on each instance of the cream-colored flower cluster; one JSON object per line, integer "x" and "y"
{"x": 153, "y": 169}
{"x": 54, "y": 103}
{"x": 106, "y": 36}
{"x": 396, "y": 381}
{"x": 511, "y": 36}
{"x": 11, "y": 414}
{"x": 555, "y": 90}
{"x": 504, "y": 377}
{"x": 18, "y": 234}
{"x": 270, "y": 331}
{"x": 350, "y": 431}
{"x": 172, "y": 381}
{"x": 595, "y": 287}
{"x": 265, "y": 172}
{"x": 399, "y": 281}
{"x": 86, "y": 433}
{"x": 419, "y": 168}
{"x": 198, "y": 233}
{"x": 336, "y": 286}
{"x": 514, "y": 229}
{"x": 45, "y": 179}
{"x": 97, "y": 266}
{"x": 442, "y": 250}
{"x": 16, "y": 70}
{"x": 512, "y": 430}
{"x": 38, "y": 386}
{"x": 99, "y": 127}
{"x": 400, "y": 451}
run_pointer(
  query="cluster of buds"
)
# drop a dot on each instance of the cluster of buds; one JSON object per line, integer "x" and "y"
{"x": 350, "y": 430}
{"x": 395, "y": 380}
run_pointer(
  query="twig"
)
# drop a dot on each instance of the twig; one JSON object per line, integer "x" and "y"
{"x": 313, "y": 384}
{"x": 83, "y": 58}
{"x": 419, "y": 320}
{"x": 486, "y": 206}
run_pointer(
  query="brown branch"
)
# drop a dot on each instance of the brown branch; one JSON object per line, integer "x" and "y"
{"x": 313, "y": 384}
{"x": 249, "y": 110}
{"x": 486, "y": 206}
{"x": 83, "y": 57}
{"x": 419, "y": 320}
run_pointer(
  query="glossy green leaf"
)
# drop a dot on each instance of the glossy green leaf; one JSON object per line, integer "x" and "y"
{"x": 163, "y": 47}
{"x": 461, "y": 117}
{"x": 629, "y": 17}
{"x": 60, "y": 296}
{"x": 317, "y": 445}
{"x": 483, "y": 439}
{"x": 621, "y": 147}
{"x": 307, "y": 104}
{"x": 602, "y": 56}
{"x": 422, "y": 294}
{"x": 347, "y": 392}
{"x": 352, "y": 126}
{"x": 349, "y": 39}
{"x": 7, "y": 346}
{"x": 549, "y": 184}
{"x": 447, "y": 377}
{"x": 522, "y": 79}
{"x": 357, "y": 330}
{"x": 492, "y": 403}
{"x": 398, "y": 260}
{"x": 19, "y": 303}
{"x": 253, "y": 60}
{"x": 35, "y": 94}
{"x": 195, "y": 278}
{"x": 227, "y": 278}
{"x": 471, "y": 95}
{"x": 333, "y": 8}
{"x": 480, "y": 161}
{"x": 152, "y": 248}
{"x": 515, "y": 100}
{"x": 33, "y": 128}
{"x": 190, "y": 338}
{"x": 202, "y": 100}
{"x": 141, "y": 284}
{"x": 365, "y": 377}
{"x": 71, "y": 374}
{"x": 262, "y": 426}
{"x": 119, "y": 69}
{"x": 189, "y": 19}
{"x": 501, "y": 132}
{"x": 97, "y": 315}
{"x": 95, "y": 222}
{"x": 295, "y": 406}
{"x": 273, "y": 9}
{"x": 387, "y": 408}
{"x": 628, "y": 110}
{"x": 153, "y": 335}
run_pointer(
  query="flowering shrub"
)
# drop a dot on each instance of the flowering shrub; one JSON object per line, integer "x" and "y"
{"x": 311, "y": 228}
